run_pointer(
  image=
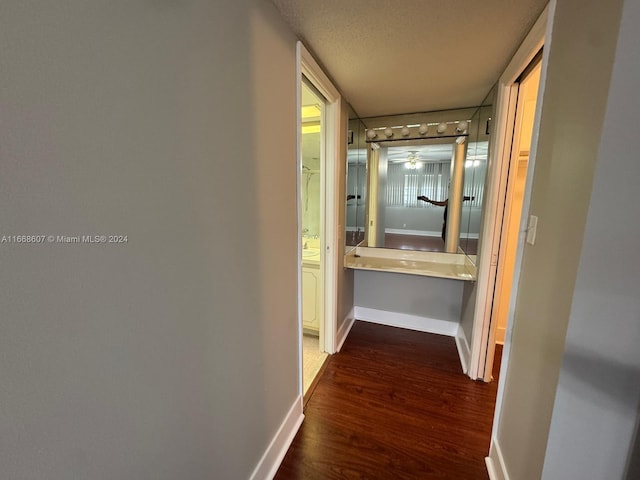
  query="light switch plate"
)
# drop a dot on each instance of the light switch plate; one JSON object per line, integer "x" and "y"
{"x": 531, "y": 229}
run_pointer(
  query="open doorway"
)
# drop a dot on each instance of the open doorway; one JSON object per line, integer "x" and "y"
{"x": 509, "y": 229}
{"x": 318, "y": 132}
{"x": 526, "y": 103}
{"x": 312, "y": 153}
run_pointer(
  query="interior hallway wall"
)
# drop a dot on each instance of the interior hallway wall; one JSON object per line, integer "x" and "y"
{"x": 580, "y": 58}
{"x": 595, "y": 415}
{"x": 172, "y": 355}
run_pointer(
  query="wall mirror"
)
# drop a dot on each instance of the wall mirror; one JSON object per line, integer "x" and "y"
{"x": 356, "y": 194}
{"x": 311, "y": 146}
{"x": 475, "y": 174}
{"x": 426, "y": 155}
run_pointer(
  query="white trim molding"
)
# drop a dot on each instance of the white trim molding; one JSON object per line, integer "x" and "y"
{"x": 426, "y": 233}
{"x": 403, "y": 320}
{"x": 312, "y": 70}
{"x": 345, "y": 328}
{"x": 420, "y": 233}
{"x": 329, "y": 205}
{"x": 280, "y": 443}
{"x": 496, "y": 467}
{"x": 464, "y": 352}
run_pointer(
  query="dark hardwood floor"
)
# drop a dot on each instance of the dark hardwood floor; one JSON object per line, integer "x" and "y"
{"x": 393, "y": 404}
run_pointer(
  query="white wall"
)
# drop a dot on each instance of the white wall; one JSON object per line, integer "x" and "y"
{"x": 173, "y": 355}
{"x": 580, "y": 57}
{"x": 598, "y": 398}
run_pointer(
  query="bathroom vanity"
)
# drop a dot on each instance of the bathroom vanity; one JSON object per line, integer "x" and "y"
{"x": 311, "y": 289}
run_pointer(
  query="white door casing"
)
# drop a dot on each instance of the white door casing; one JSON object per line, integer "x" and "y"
{"x": 309, "y": 68}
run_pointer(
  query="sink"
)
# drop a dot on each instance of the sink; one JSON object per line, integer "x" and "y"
{"x": 310, "y": 252}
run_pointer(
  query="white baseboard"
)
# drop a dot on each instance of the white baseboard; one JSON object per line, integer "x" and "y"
{"x": 427, "y": 233}
{"x": 403, "y": 320}
{"x": 420, "y": 233}
{"x": 491, "y": 469}
{"x": 464, "y": 352}
{"x": 275, "y": 452}
{"x": 345, "y": 328}
{"x": 496, "y": 467}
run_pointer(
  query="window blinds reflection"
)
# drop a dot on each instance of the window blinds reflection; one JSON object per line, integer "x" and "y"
{"x": 430, "y": 179}
{"x": 404, "y": 186}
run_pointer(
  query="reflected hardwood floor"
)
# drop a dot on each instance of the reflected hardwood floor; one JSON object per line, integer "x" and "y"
{"x": 426, "y": 244}
{"x": 393, "y": 403}
{"x": 415, "y": 242}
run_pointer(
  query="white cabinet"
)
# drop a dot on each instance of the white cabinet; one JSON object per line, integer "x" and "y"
{"x": 310, "y": 296}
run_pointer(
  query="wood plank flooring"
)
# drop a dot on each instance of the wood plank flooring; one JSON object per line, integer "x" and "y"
{"x": 393, "y": 404}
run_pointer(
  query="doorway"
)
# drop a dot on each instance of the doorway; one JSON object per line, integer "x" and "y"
{"x": 312, "y": 156}
{"x": 318, "y": 133}
{"x": 518, "y": 166}
{"x": 509, "y": 231}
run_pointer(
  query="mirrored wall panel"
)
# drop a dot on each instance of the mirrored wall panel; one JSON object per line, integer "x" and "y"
{"x": 311, "y": 146}
{"x": 426, "y": 180}
{"x": 356, "y": 194}
{"x": 476, "y": 175}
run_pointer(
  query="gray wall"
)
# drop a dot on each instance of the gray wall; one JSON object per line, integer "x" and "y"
{"x": 430, "y": 219}
{"x": 580, "y": 54}
{"x": 173, "y": 355}
{"x": 596, "y": 406}
{"x": 423, "y": 219}
{"x": 429, "y": 297}
{"x": 467, "y": 308}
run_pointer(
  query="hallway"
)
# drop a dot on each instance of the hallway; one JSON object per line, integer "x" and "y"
{"x": 393, "y": 403}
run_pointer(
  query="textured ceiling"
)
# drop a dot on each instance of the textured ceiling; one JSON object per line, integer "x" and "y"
{"x": 400, "y": 56}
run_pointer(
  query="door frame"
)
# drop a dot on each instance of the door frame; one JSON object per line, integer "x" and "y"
{"x": 307, "y": 66}
{"x": 482, "y": 350}
{"x": 509, "y": 238}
